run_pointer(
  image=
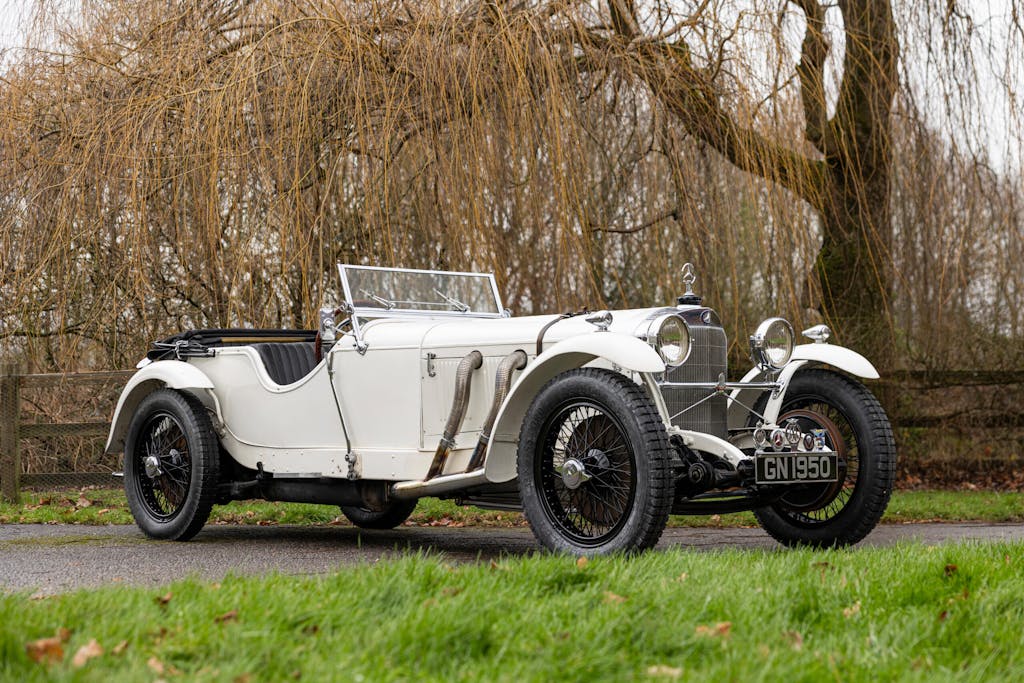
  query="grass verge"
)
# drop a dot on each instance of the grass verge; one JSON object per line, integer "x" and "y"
{"x": 108, "y": 506}
{"x": 909, "y": 612}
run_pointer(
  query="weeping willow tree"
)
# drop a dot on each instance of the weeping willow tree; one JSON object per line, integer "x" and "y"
{"x": 176, "y": 163}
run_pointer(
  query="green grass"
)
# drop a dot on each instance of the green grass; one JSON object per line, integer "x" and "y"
{"x": 109, "y": 507}
{"x": 909, "y": 612}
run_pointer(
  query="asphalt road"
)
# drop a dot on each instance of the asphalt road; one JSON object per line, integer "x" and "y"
{"x": 51, "y": 559}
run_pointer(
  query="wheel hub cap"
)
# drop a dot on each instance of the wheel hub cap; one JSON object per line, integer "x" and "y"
{"x": 573, "y": 472}
{"x": 152, "y": 465}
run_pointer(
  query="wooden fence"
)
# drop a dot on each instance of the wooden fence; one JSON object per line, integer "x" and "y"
{"x": 915, "y": 385}
{"x": 13, "y": 430}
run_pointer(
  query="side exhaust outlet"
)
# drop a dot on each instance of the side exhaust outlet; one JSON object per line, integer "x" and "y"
{"x": 502, "y": 384}
{"x": 471, "y": 362}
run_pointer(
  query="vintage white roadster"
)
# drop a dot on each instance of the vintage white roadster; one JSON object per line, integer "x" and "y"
{"x": 596, "y": 425}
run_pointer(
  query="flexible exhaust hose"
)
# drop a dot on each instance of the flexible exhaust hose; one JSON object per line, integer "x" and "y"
{"x": 502, "y": 384}
{"x": 471, "y": 362}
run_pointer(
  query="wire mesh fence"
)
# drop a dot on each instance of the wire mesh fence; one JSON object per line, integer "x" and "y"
{"x": 53, "y": 428}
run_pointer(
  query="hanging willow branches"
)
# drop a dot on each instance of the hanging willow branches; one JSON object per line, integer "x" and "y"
{"x": 182, "y": 164}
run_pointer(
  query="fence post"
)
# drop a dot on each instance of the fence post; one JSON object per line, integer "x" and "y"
{"x": 10, "y": 414}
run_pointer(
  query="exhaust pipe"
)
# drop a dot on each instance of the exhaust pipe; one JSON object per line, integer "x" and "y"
{"x": 470, "y": 363}
{"x": 502, "y": 384}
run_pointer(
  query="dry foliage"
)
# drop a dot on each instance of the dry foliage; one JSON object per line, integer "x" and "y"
{"x": 180, "y": 164}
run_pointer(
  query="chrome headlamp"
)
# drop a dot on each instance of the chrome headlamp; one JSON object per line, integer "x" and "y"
{"x": 670, "y": 336}
{"x": 771, "y": 345}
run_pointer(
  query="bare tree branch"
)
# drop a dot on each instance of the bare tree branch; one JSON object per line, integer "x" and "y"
{"x": 811, "y": 71}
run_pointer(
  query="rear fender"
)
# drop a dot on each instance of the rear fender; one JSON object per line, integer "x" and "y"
{"x": 172, "y": 374}
{"x": 804, "y": 356}
{"x": 622, "y": 351}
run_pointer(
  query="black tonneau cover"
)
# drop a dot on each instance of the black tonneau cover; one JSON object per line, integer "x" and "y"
{"x": 197, "y": 342}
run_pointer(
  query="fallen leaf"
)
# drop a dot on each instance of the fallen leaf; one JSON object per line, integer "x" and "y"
{"x": 83, "y": 502}
{"x": 242, "y": 678}
{"x": 162, "y": 600}
{"x": 88, "y": 651}
{"x": 613, "y": 599}
{"x": 155, "y": 665}
{"x": 230, "y": 615}
{"x": 720, "y": 630}
{"x": 943, "y": 615}
{"x": 796, "y": 641}
{"x": 64, "y": 634}
{"x": 664, "y": 671}
{"x": 119, "y": 648}
{"x": 851, "y": 610}
{"x": 950, "y": 569}
{"x": 682, "y": 577}
{"x": 581, "y": 562}
{"x": 102, "y": 512}
{"x": 48, "y": 650}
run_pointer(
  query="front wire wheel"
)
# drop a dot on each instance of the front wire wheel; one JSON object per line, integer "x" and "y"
{"x": 594, "y": 468}
{"x": 857, "y": 428}
{"x": 171, "y": 465}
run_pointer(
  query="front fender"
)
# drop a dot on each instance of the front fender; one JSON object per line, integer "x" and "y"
{"x": 804, "y": 355}
{"x": 173, "y": 374}
{"x": 620, "y": 350}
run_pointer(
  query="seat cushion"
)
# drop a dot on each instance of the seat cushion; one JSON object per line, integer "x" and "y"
{"x": 287, "y": 362}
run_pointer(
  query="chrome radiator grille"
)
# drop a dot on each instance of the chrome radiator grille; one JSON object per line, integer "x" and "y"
{"x": 708, "y": 360}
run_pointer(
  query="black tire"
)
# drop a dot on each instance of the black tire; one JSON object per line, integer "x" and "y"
{"x": 393, "y": 514}
{"x": 607, "y": 424}
{"x": 173, "y": 431}
{"x": 858, "y": 428}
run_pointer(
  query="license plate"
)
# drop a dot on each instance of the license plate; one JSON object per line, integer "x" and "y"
{"x": 796, "y": 468}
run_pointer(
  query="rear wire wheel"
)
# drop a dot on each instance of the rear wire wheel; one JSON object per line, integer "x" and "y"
{"x": 594, "y": 468}
{"x": 171, "y": 465}
{"x": 857, "y": 428}
{"x": 394, "y": 513}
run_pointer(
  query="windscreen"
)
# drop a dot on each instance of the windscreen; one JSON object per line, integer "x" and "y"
{"x": 380, "y": 291}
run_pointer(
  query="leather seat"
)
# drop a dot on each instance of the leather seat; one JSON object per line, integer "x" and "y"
{"x": 287, "y": 362}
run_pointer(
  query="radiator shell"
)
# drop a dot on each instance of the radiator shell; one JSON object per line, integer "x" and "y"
{"x": 707, "y": 361}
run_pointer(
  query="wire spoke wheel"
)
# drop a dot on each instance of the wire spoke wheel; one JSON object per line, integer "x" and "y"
{"x": 817, "y": 503}
{"x": 393, "y": 514}
{"x": 857, "y": 429}
{"x": 171, "y": 465}
{"x": 594, "y": 465}
{"x": 587, "y": 472}
{"x": 166, "y": 465}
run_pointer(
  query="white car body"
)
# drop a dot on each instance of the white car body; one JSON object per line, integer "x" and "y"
{"x": 374, "y": 408}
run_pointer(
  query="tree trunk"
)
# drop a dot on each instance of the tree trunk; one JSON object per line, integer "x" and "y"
{"x": 848, "y": 185}
{"x": 854, "y": 264}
